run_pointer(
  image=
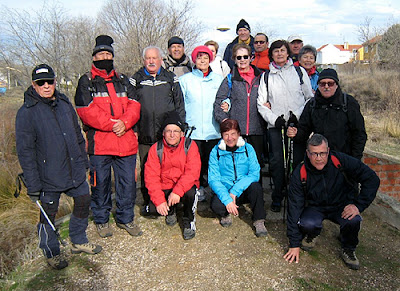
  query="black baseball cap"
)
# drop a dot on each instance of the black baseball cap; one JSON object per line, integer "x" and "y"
{"x": 43, "y": 72}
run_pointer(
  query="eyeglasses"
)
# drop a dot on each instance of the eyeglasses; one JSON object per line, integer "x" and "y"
{"x": 314, "y": 155}
{"x": 330, "y": 84}
{"x": 259, "y": 41}
{"x": 40, "y": 83}
{"x": 240, "y": 57}
{"x": 175, "y": 132}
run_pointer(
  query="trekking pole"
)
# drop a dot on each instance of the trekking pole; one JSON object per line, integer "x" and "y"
{"x": 191, "y": 128}
{"x": 288, "y": 173}
{"x": 285, "y": 169}
{"x": 63, "y": 242}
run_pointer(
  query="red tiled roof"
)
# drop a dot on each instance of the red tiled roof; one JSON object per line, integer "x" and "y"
{"x": 341, "y": 47}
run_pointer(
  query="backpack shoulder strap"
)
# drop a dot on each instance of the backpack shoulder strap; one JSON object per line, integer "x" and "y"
{"x": 344, "y": 104}
{"x": 300, "y": 73}
{"x": 229, "y": 78}
{"x": 336, "y": 162}
{"x": 303, "y": 180}
{"x": 160, "y": 149}
{"x": 188, "y": 143}
{"x": 266, "y": 75}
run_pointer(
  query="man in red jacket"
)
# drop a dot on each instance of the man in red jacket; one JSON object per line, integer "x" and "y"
{"x": 105, "y": 103}
{"x": 172, "y": 174}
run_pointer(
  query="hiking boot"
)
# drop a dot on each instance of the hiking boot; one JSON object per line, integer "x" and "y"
{"x": 226, "y": 221}
{"x": 104, "y": 230}
{"x": 171, "y": 219}
{"x": 308, "y": 243}
{"x": 57, "y": 262}
{"x": 88, "y": 248}
{"x": 261, "y": 231}
{"x": 131, "y": 228}
{"x": 201, "y": 194}
{"x": 188, "y": 233}
{"x": 350, "y": 259}
{"x": 276, "y": 207}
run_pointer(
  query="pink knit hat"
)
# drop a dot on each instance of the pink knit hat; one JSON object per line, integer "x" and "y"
{"x": 202, "y": 49}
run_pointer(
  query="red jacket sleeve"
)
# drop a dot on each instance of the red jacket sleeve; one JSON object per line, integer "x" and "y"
{"x": 191, "y": 174}
{"x": 152, "y": 177}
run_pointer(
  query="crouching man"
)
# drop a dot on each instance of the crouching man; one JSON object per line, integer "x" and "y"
{"x": 324, "y": 188}
{"x": 51, "y": 151}
{"x": 172, "y": 174}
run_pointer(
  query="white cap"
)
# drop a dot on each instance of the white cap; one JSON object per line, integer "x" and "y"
{"x": 294, "y": 37}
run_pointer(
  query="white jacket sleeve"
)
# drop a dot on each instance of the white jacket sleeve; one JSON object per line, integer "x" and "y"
{"x": 307, "y": 92}
{"x": 262, "y": 98}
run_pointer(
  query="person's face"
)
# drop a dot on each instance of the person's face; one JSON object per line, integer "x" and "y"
{"x": 152, "y": 61}
{"x": 260, "y": 43}
{"x": 295, "y": 46}
{"x": 44, "y": 88}
{"x": 318, "y": 155}
{"x": 231, "y": 137}
{"x": 172, "y": 134}
{"x": 202, "y": 62}
{"x": 243, "y": 34}
{"x": 213, "y": 50}
{"x": 280, "y": 55}
{"x": 240, "y": 59}
{"x": 307, "y": 61}
{"x": 176, "y": 51}
{"x": 103, "y": 55}
{"x": 327, "y": 87}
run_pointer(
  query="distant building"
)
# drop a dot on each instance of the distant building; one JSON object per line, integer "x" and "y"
{"x": 339, "y": 53}
{"x": 371, "y": 49}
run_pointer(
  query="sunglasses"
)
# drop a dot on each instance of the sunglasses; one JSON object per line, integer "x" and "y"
{"x": 330, "y": 84}
{"x": 240, "y": 57}
{"x": 259, "y": 41}
{"x": 40, "y": 83}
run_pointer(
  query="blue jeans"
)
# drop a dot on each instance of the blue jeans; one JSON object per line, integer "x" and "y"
{"x": 125, "y": 187}
{"x": 310, "y": 224}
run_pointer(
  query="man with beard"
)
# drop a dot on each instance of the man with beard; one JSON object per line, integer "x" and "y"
{"x": 334, "y": 114}
{"x": 105, "y": 103}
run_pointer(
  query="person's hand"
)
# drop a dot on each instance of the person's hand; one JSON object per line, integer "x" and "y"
{"x": 350, "y": 211}
{"x": 163, "y": 209}
{"x": 291, "y": 131}
{"x": 268, "y": 105}
{"x": 225, "y": 106}
{"x": 173, "y": 199}
{"x": 280, "y": 122}
{"x": 292, "y": 119}
{"x": 34, "y": 196}
{"x": 232, "y": 208}
{"x": 119, "y": 127}
{"x": 293, "y": 255}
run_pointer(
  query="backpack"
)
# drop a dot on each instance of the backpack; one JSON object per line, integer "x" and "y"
{"x": 160, "y": 147}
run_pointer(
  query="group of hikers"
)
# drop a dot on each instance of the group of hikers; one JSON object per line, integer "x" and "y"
{"x": 204, "y": 127}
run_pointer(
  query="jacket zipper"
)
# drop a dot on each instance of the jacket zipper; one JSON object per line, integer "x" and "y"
{"x": 234, "y": 167}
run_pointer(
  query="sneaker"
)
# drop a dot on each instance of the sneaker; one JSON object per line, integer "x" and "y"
{"x": 226, "y": 221}
{"x": 88, "y": 248}
{"x": 131, "y": 228}
{"x": 188, "y": 233}
{"x": 57, "y": 262}
{"x": 261, "y": 231}
{"x": 171, "y": 219}
{"x": 275, "y": 207}
{"x": 201, "y": 194}
{"x": 308, "y": 243}
{"x": 350, "y": 259}
{"x": 104, "y": 230}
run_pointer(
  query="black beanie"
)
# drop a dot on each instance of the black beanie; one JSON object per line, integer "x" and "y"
{"x": 103, "y": 43}
{"x": 329, "y": 74}
{"x": 175, "y": 40}
{"x": 172, "y": 117}
{"x": 242, "y": 24}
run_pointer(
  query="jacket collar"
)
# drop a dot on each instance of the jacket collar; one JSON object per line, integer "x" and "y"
{"x": 240, "y": 143}
{"x": 236, "y": 75}
{"x": 31, "y": 97}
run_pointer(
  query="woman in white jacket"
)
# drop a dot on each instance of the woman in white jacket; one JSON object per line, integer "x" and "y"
{"x": 282, "y": 94}
{"x": 218, "y": 65}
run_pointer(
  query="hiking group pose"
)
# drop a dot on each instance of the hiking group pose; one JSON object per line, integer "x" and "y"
{"x": 204, "y": 128}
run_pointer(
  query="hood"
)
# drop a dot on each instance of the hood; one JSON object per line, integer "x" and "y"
{"x": 240, "y": 143}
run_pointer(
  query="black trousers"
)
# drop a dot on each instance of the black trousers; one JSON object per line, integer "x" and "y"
{"x": 205, "y": 147}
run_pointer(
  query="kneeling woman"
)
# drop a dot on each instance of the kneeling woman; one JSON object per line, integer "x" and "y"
{"x": 233, "y": 175}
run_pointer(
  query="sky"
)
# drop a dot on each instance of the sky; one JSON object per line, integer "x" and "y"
{"x": 319, "y": 22}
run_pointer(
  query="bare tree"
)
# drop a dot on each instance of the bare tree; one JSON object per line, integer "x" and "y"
{"x": 262, "y": 27}
{"x": 389, "y": 46}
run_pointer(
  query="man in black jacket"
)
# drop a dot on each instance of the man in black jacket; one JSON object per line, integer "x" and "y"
{"x": 321, "y": 189}
{"x": 158, "y": 91}
{"x": 334, "y": 114}
{"x": 51, "y": 151}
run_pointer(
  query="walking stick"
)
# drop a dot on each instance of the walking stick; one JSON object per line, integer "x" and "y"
{"x": 63, "y": 242}
{"x": 288, "y": 173}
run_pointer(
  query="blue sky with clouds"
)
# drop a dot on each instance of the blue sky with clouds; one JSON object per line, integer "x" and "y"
{"x": 319, "y": 22}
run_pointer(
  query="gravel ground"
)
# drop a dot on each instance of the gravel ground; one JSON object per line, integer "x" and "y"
{"x": 222, "y": 259}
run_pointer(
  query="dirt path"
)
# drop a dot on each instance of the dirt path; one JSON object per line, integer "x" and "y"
{"x": 221, "y": 259}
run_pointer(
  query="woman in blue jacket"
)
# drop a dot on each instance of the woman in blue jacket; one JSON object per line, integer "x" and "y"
{"x": 233, "y": 174}
{"x": 199, "y": 89}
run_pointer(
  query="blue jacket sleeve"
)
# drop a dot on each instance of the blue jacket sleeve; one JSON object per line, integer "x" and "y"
{"x": 214, "y": 178}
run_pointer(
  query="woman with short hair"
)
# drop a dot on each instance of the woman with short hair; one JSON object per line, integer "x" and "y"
{"x": 307, "y": 58}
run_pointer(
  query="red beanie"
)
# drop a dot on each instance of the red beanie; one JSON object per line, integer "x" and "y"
{"x": 202, "y": 49}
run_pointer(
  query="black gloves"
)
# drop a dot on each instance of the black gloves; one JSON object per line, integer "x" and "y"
{"x": 280, "y": 122}
{"x": 292, "y": 121}
{"x": 34, "y": 196}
